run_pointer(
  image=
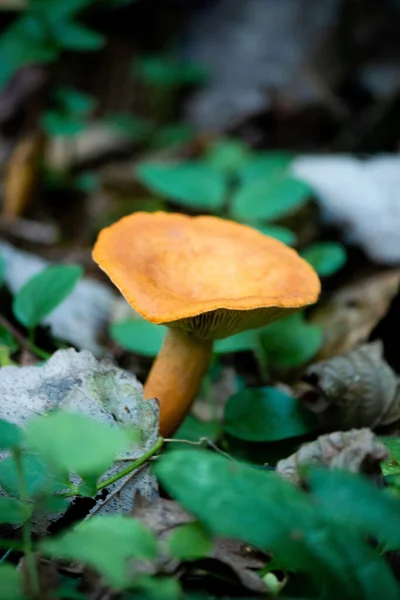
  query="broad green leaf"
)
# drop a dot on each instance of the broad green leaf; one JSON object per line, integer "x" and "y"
{"x": 263, "y": 165}
{"x": 355, "y": 501}
{"x": 283, "y": 234}
{"x": 44, "y": 292}
{"x": 192, "y": 429}
{"x": 291, "y": 342}
{"x": 325, "y": 257}
{"x": 10, "y": 435}
{"x": 190, "y": 184}
{"x": 235, "y": 500}
{"x": 266, "y": 415}
{"x": 74, "y": 101}
{"x": 74, "y": 36}
{"x": 76, "y": 442}
{"x": 227, "y": 155}
{"x": 13, "y": 511}
{"x": 163, "y": 71}
{"x": 269, "y": 200}
{"x": 10, "y": 583}
{"x": 157, "y": 588}
{"x": 189, "y": 541}
{"x": 38, "y": 480}
{"x": 391, "y": 466}
{"x": 139, "y": 336}
{"x": 105, "y": 543}
{"x": 57, "y": 123}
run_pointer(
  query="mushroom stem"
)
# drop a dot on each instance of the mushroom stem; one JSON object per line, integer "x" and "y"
{"x": 176, "y": 375}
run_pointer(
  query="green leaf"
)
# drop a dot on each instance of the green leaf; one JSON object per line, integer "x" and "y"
{"x": 155, "y": 588}
{"x": 192, "y": 429}
{"x": 241, "y": 342}
{"x": 237, "y": 501}
{"x": 189, "y": 541}
{"x": 291, "y": 342}
{"x": 166, "y": 72}
{"x": 133, "y": 127}
{"x": 174, "y": 134}
{"x": 105, "y": 543}
{"x": 10, "y": 435}
{"x": 57, "y": 123}
{"x": 139, "y": 336}
{"x": 74, "y": 101}
{"x": 44, "y": 292}
{"x": 76, "y": 442}
{"x": 7, "y": 339}
{"x": 87, "y": 182}
{"x": 38, "y": 480}
{"x": 269, "y": 200}
{"x": 283, "y": 234}
{"x": 227, "y": 155}
{"x": 355, "y": 501}
{"x": 327, "y": 257}
{"x": 391, "y": 466}
{"x": 264, "y": 165}
{"x": 266, "y": 415}
{"x": 74, "y": 36}
{"x": 13, "y": 511}
{"x": 189, "y": 184}
{"x": 10, "y": 583}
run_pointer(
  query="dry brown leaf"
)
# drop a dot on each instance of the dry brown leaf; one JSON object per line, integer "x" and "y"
{"x": 350, "y": 315}
{"x": 358, "y": 451}
{"x": 358, "y": 389}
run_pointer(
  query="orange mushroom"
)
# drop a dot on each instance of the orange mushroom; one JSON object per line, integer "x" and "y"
{"x": 206, "y": 278}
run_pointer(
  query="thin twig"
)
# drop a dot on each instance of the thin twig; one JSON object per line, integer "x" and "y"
{"x": 116, "y": 491}
{"x": 202, "y": 440}
{"x": 28, "y": 345}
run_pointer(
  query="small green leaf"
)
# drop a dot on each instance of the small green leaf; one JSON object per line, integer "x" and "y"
{"x": 192, "y": 429}
{"x": 57, "y": 123}
{"x": 38, "y": 480}
{"x": 7, "y": 339}
{"x": 13, "y": 511}
{"x": 76, "y": 442}
{"x": 74, "y": 101}
{"x": 291, "y": 342}
{"x": 264, "y": 165}
{"x": 391, "y": 466}
{"x": 10, "y": 435}
{"x": 327, "y": 257}
{"x": 74, "y": 36}
{"x": 352, "y": 500}
{"x": 44, "y": 292}
{"x": 227, "y": 155}
{"x": 166, "y": 72}
{"x": 10, "y": 583}
{"x": 189, "y": 541}
{"x": 139, "y": 336}
{"x": 105, "y": 543}
{"x": 190, "y": 184}
{"x": 283, "y": 234}
{"x": 269, "y": 200}
{"x": 266, "y": 415}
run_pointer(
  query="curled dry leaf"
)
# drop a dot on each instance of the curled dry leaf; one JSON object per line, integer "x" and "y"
{"x": 358, "y": 451}
{"x": 78, "y": 382}
{"x": 350, "y": 314}
{"x": 358, "y": 389}
{"x": 162, "y": 516}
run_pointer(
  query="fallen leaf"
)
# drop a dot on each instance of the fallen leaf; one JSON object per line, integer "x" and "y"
{"x": 81, "y": 318}
{"x": 357, "y": 451}
{"x": 361, "y": 196}
{"x": 78, "y": 382}
{"x": 357, "y": 389}
{"x": 350, "y": 314}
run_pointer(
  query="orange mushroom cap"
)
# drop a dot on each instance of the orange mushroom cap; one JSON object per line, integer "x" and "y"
{"x": 205, "y": 275}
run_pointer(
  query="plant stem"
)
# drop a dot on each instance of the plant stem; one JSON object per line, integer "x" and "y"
{"x": 132, "y": 467}
{"x": 26, "y": 527}
{"x": 24, "y": 342}
{"x": 137, "y": 463}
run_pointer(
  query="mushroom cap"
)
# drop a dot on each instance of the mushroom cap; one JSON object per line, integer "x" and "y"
{"x": 208, "y": 276}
